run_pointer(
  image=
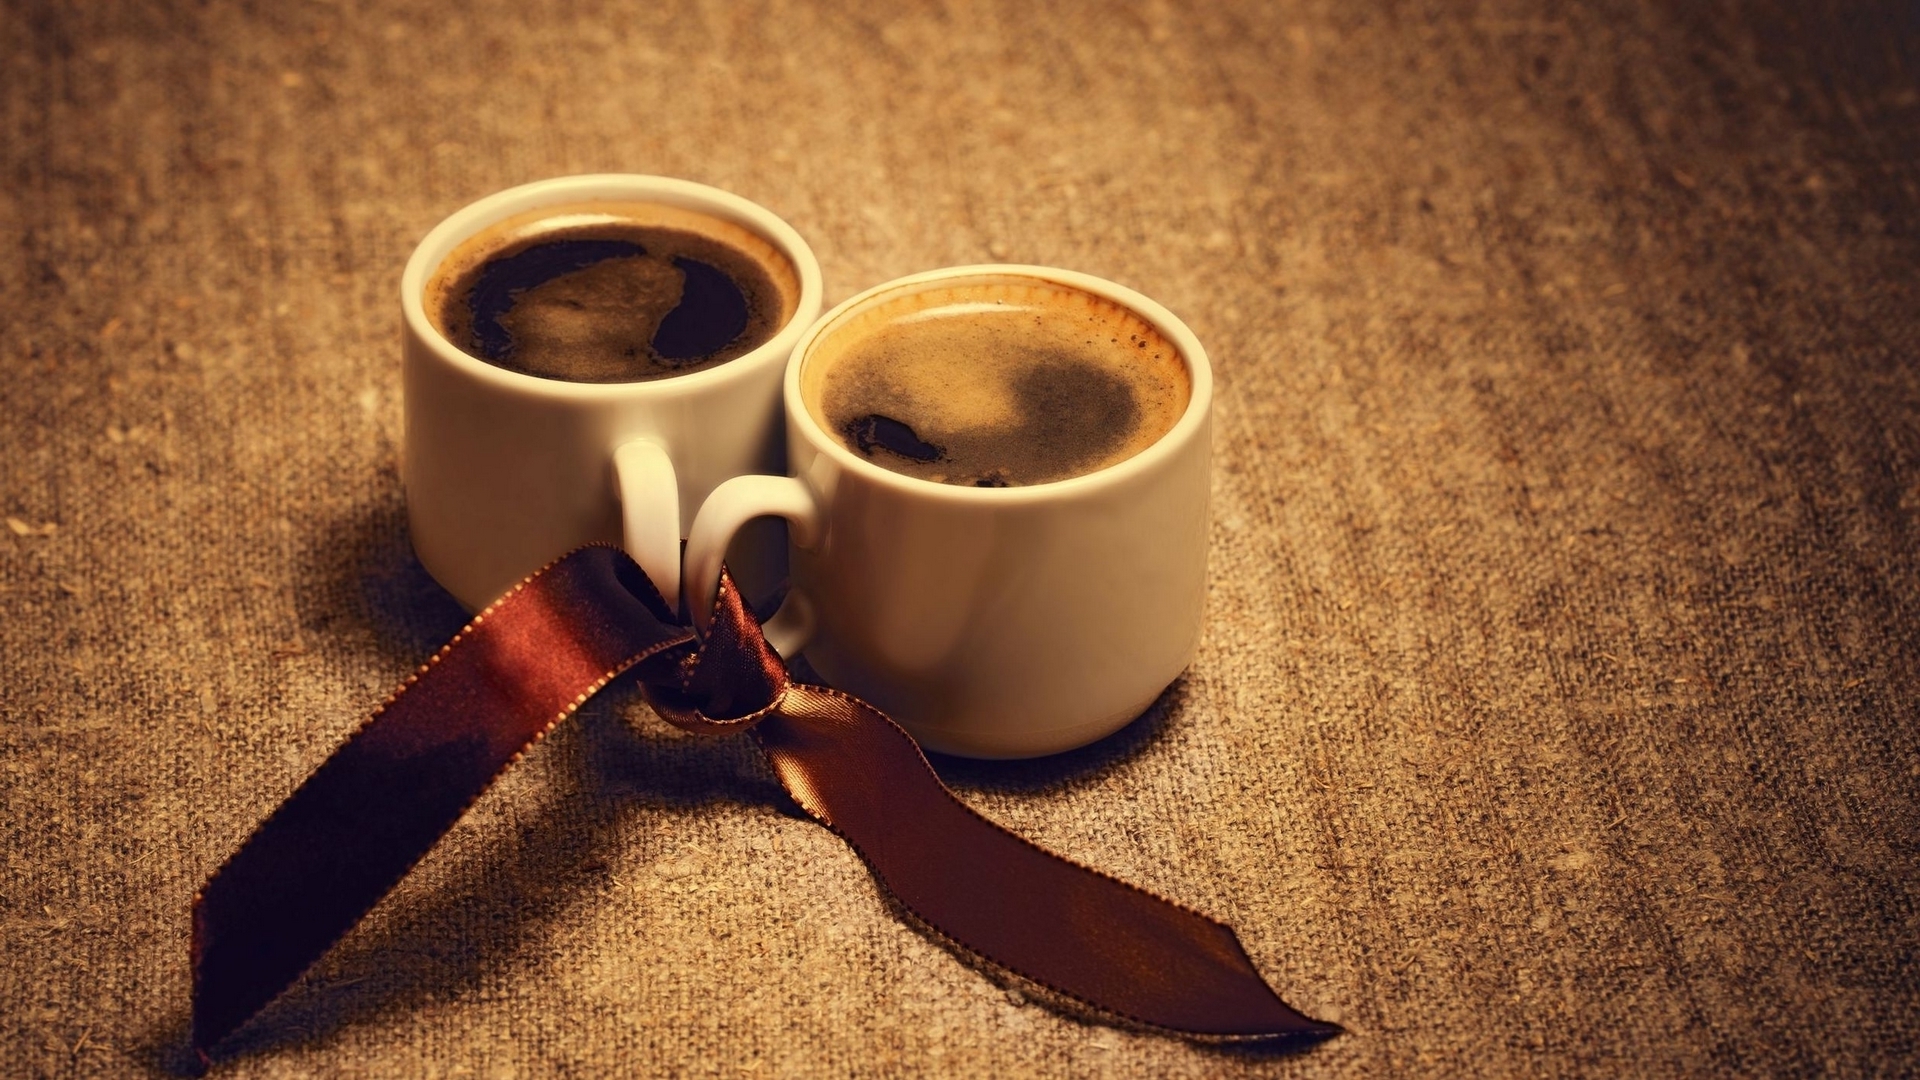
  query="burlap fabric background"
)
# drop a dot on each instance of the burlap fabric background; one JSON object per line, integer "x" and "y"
{"x": 1556, "y": 709}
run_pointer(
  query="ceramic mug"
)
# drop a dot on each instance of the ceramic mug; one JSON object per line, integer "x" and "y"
{"x": 506, "y": 471}
{"x": 989, "y": 622}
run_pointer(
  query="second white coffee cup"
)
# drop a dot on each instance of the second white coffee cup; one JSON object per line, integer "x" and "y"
{"x": 1009, "y": 622}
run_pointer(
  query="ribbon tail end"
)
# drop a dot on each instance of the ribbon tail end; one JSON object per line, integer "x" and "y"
{"x": 1299, "y": 1029}
{"x": 1314, "y": 1032}
{"x": 1293, "y": 1029}
{"x": 1299, "y": 1034}
{"x": 206, "y": 1035}
{"x": 227, "y": 990}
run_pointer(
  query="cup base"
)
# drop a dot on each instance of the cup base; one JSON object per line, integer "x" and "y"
{"x": 1007, "y": 745}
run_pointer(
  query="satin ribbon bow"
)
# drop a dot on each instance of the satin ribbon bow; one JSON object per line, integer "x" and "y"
{"x": 361, "y": 821}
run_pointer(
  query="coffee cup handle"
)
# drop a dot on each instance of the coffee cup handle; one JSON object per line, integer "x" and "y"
{"x": 733, "y": 504}
{"x": 650, "y": 511}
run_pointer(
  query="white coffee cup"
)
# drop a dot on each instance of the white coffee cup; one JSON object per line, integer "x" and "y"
{"x": 506, "y": 471}
{"x": 1008, "y": 622}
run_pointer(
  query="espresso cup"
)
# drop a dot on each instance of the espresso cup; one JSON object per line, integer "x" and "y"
{"x": 990, "y": 622}
{"x": 505, "y": 471}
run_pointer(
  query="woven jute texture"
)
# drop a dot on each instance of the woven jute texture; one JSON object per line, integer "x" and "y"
{"x": 1556, "y": 708}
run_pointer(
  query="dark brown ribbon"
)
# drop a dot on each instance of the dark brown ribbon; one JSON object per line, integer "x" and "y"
{"x": 360, "y": 822}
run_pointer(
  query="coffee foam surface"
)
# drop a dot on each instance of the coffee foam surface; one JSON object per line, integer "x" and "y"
{"x": 589, "y": 326}
{"x": 995, "y": 382}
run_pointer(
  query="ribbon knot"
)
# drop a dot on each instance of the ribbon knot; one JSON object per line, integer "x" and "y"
{"x": 339, "y": 843}
{"x": 733, "y": 681}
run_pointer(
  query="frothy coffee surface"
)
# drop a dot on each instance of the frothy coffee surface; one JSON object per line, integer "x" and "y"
{"x": 612, "y": 292}
{"x": 995, "y": 382}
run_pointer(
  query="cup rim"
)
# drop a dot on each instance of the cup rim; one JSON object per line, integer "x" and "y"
{"x": 469, "y": 220}
{"x": 1191, "y": 423}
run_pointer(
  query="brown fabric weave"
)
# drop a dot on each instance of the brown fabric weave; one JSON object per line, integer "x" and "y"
{"x": 1556, "y": 711}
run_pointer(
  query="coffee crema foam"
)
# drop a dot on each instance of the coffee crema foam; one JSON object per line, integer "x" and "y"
{"x": 612, "y": 292}
{"x": 995, "y": 382}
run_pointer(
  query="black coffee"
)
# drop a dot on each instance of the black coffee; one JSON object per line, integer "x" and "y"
{"x": 996, "y": 382}
{"x": 612, "y": 292}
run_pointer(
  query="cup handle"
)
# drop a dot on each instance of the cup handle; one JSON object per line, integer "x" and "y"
{"x": 733, "y": 504}
{"x": 650, "y": 511}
